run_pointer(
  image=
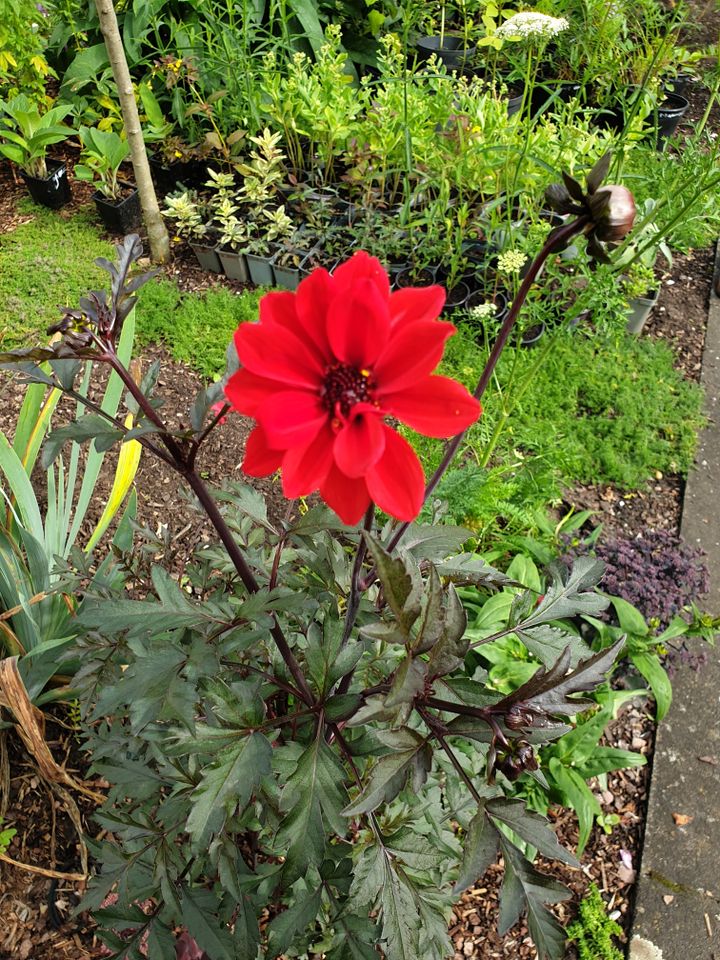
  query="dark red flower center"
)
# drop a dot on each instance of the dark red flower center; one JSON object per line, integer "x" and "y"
{"x": 344, "y": 386}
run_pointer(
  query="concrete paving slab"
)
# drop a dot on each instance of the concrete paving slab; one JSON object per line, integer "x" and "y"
{"x": 678, "y": 896}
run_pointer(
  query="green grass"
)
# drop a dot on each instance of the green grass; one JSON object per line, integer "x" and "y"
{"x": 603, "y": 409}
{"x": 48, "y": 262}
{"x": 45, "y": 263}
{"x": 195, "y": 328}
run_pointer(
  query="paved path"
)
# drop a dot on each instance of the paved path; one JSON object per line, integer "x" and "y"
{"x": 678, "y": 896}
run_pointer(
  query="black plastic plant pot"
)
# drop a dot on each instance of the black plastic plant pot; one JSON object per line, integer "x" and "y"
{"x": 207, "y": 255}
{"x": 119, "y": 216}
{"x": 564, "y": 92}
{"x": 457, "y": 297}
{"x": 532, "y": 336}
{"x": 450, "y": 51}
{"x": 168, "y": 176}
{"x": 424, "y": 277}
{"x": 478, "y": 298}
{"x": 514, "y": 104}
{"x": 669, "y": 114}
{"x": 677, "y": 85}
{"x": 234, "y": 264}
{"x": 261, "y": 270}
{"x": 52, "y": 191}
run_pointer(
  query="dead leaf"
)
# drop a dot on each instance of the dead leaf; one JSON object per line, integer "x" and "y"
{"x": 682, "y": 819}
{"x": 713, "y": 761}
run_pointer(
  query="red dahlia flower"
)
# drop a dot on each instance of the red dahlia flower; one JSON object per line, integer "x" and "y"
{"x": 324, "y": 369}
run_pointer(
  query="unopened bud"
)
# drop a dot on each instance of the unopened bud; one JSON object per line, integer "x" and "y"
{"x": 613, "y": 212}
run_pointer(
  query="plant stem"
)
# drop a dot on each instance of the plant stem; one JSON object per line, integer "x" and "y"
{"x": 556, "y": 241}
{"x": 434, "y": 726}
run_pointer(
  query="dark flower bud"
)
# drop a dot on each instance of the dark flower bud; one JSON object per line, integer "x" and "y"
{"x": 526, "y": 756}
{"x": 517, "y": 717}
{"x": 613, "y": 213}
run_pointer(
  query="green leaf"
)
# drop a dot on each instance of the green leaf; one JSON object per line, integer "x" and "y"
{"x": 578, "y": 796}
{"x": 408, "y": 682}
{"x": 629, "y": 617}
{"x": 568, "y": 594}
{"x": 375, "y": 880}
{"x": 434, "y": 541}
{"x": 288, "y": 924}
{"x": 470, "y": 568}
{"x": 547, "y": 643}
{"x": 161, "y": 942}
{"x": 650, "y": 667}
{"x": 449, "y": 652}
{"x": 401, "y": 584}
{"x": 227, "y": 784}
{"x": 313, "y": 797}
{"x": 523, "y": 885}
{"x": 199, "y": 914}
{"x": 389, "y": 774}
{"x": 246, "y": 933}
{"x": 90, "y": 427}
{"x": 530, "y": 827}
{"x": 479, "y": 851}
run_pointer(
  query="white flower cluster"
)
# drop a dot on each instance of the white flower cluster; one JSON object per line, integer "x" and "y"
{"x": 530, "y": 24}
{"x": 483, "y": 311}
{"x": 511, "y": 261}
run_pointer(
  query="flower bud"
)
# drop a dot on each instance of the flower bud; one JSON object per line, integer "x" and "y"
{"x": 613, "y": 212}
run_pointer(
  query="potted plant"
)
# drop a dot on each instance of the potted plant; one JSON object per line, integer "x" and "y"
{"x": 189, "y": 224}
{"x": 116, "y": 201}
{"x": 291, "y": 257}
{"x": 26, "y": 134}
{"x": 275, "y": 226}
{"x": 234, "y": 237}
{"x": 642, "y": 291}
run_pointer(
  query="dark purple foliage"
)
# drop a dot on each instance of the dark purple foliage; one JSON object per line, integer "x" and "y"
{"x": 657, "y": 573}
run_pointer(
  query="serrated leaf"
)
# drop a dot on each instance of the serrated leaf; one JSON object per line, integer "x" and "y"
{"x": 434, "y": 541}
{"x": 547, "y": 643}
{"x": 314, "y": 796}
{"x": 431, "y": 622}
{"x": 525, "y": 886}
{"x": 228, "y": 783}
{"x": 568, "y": 594}
{"x": 90, "y": 427}
{"x": 388, "y": 775}
{"x": 479, "y": 851}
{"x": 550, "y": 690}
{"x": 161, "y": 942}
{"x": 283, "y": 929}
{"x": 449, "y": 652}
{"x": 530, "y": 827}
{"x": 469, "y": 568}
{"x": 408, "y": 682}
{"x": 400, "y": 581}
{"x": 199, "y": 914}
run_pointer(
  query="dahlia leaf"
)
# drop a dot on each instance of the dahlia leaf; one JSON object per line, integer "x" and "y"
{"x": 400, "y": 579}
{"x": 480, "y": 850}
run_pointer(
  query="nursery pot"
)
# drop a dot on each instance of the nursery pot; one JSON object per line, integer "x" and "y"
{"x": 477, "y": 298}
{"x": 52, "y": 191}
{"x": 640, "y": 310}
{"x": 260, "y": 269}
{"x": 514, "y": 104}
{"x": 677, "y": 85}
{"x": 532, "y": 336}
{"x": 564, "y": 92}
{"x": 450, "y": 50}
{"x": 207, "y": 255}
{"x": 415, "y": 278}
{"x": 288, "y": 276}
{"x": 457, "y": 297}
{"x": 669, "y": 114}
{"x": 119, "y": 216}
{"x": 234, "y": 264}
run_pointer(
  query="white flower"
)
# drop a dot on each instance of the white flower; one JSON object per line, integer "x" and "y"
{"x": 642, "y": 949}
{"x": 511, "y": 261}
{"x": 483, "y": 311}
{"x": 530, "y": 24}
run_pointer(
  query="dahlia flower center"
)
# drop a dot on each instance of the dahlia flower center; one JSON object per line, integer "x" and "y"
{"x": 344, "y": 386}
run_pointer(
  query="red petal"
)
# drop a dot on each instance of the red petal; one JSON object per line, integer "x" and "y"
{"x": 361, "y": 266}
{"x": 271, "y": 350}
{"x": 312, "y": 301}
{"x": 347, "y": 497}
{"x": 361, "y": 441}
{"x": 246, "y": 391}
{"x": 436, "y": 407}
{"x": 278, "y": 306}
{"x": 260, "y": 460}
{"x": 304, "y": 468}
{"x": 416, "y": 303}
{"x": 397, "y": 483}
{"x": 291, "y": 418}
{"x": 413, "y": 353}
{"x": 359, "y": 324}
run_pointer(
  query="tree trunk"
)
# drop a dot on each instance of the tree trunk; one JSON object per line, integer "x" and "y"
{"x": 157, "y": 232}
